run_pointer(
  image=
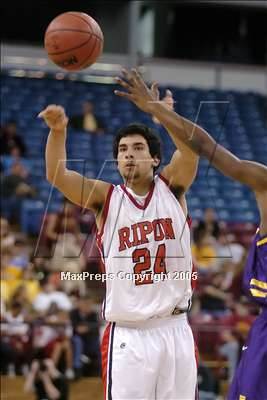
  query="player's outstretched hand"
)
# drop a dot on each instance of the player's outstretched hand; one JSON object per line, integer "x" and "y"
{"x": 55, "y": 117}
{"x": 137, "y": 91}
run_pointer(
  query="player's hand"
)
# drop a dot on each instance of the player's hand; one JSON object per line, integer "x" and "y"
{"x": 137, "y": 91}
{"x": 55, "y": 117}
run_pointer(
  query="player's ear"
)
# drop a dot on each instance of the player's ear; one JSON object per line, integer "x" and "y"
{"x": 156, "y": 162}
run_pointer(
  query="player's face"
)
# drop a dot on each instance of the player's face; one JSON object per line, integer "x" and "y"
{"x": 134, "y": 158}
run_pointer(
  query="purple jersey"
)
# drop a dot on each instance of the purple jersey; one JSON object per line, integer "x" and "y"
{"x": 255, "y": 274}
{"x": 250, "y": 381}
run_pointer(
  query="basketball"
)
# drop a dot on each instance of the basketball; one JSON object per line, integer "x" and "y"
{"x": 73, "y": 41}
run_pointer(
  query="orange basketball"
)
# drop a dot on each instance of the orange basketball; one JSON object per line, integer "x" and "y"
{"x": 73, "y": 41}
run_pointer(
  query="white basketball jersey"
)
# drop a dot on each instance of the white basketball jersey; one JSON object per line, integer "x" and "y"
{"x": 146, "y": 254}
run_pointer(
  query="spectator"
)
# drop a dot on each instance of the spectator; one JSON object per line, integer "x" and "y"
{"x": 210, "y": 223}
{"x": 214, "y": 299}
{"x": 86, "y": 343}
{"x": 230, "y": 350}
{"x": 46, "y": 380}
{"x": 60, "y": 223}
{"x": 15, "y": 188}
{"x": 68, "y": 256}
{"x": 227, "y": 248}
{"x": 87, "y": 121}
{"x": 49, "y": 296}
{"x": 203, "y": 251}
{"x": 24, "y": 294}
{"x": 14, "y": 157}
{"x": 207, "y": 383}
{"x": 16, "y": 183}
{"x": 53, "y": 333}
{"x": 7, "y": 237}
{"x": 18, "y": 259}
{"x": 9, "y": 138}
{"x": 15, "y": 336}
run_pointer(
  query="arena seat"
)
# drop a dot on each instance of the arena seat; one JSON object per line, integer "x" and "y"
{"x": 243, "y": 132}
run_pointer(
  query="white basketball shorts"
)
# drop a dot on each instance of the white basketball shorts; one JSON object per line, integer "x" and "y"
{"x": 154, "y": 360}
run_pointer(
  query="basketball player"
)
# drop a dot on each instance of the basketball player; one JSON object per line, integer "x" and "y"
{"x": 148, "y": 348}
{"x": 250, "y": 381}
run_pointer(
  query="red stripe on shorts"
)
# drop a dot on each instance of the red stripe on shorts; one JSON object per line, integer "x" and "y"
{"x": 197, "y": 363}
{"x": 104, "y": 353}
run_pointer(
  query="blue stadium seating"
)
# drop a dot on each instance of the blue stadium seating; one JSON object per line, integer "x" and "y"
{"x": 236, "y": 120}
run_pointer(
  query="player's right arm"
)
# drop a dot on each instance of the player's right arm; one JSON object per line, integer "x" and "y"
{"x": 87, "y": 193}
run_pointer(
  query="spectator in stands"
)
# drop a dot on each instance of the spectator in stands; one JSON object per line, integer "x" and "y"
{"x": 207, "y": 383}
{"x": 210, "y": 223}
{"x": 16, "y": 183}
{"x": 46, "y": 380}
{"x": 68, "y": 256}
{"x": 86, "y": 342}
{"x": 240, "y": 320}
{"x": 62, "y": 222}
{"x": 18, "y": 259}
{"x": 24, "y": 294}
{"x": 228, "y": 248}
{"x": 7, "y": 237}
{"x": 39, "y": 266}
{"x": 230, "y": 350}
{"x": 53, "y": 334}
{"x": 203, "y": 251}
{"x": 14, "y": 157}
{"x": 15, "y": 335}
{"x": 9, "y": 138}
{"x": 87, "y": 121}
{"x": 15, "y": 188}
{"x": 214, "y": 299}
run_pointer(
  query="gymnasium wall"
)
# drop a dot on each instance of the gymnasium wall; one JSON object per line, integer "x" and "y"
{"x": 180, "y": 73}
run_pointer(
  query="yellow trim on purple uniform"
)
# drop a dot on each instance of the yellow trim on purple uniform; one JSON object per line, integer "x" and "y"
{"x": 260, "y": 284}
{"x": 241, "y": 397}
{"x": 262, "y": 241}
{"x": 258, "y": 293}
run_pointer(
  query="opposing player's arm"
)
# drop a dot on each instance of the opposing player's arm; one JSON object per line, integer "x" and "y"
{"x": 181, "y": 170}
{"x": 88, "y": 193}
{"x": 198, "y": 140}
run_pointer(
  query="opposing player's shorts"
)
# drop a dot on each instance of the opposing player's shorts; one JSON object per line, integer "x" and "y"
{"x": 250, "y": 381}
{"x": 155, "y": 360}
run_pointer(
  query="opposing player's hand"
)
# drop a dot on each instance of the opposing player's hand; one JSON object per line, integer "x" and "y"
{"x": 55, "y": 117}
{"x": 137, "y": 91}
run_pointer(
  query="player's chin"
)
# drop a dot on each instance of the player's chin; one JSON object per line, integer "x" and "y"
{"x": 130, "y": 175}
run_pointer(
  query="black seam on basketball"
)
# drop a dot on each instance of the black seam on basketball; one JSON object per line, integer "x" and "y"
{"x": 72, "y": 30}
{"x": 73, "y": 48}
{"x": 80, "y": 17}
{"x": 88, "y": 56}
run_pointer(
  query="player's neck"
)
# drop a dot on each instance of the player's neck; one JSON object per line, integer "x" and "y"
{"x": 140, "y": 188}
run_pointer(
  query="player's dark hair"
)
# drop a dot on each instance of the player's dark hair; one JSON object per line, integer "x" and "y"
{"x": 148, "y": 134}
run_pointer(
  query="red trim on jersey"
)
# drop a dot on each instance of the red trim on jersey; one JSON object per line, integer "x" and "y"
{"x": 147, "y": 200}
{"x": 106, "y": 208}
{"x": 101, "y": 231}
{"x": 189, "y": 220}
{"x": 99, "y": 239}
{"x": 165, "y": 180}
{"x": 104, "y": 353}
